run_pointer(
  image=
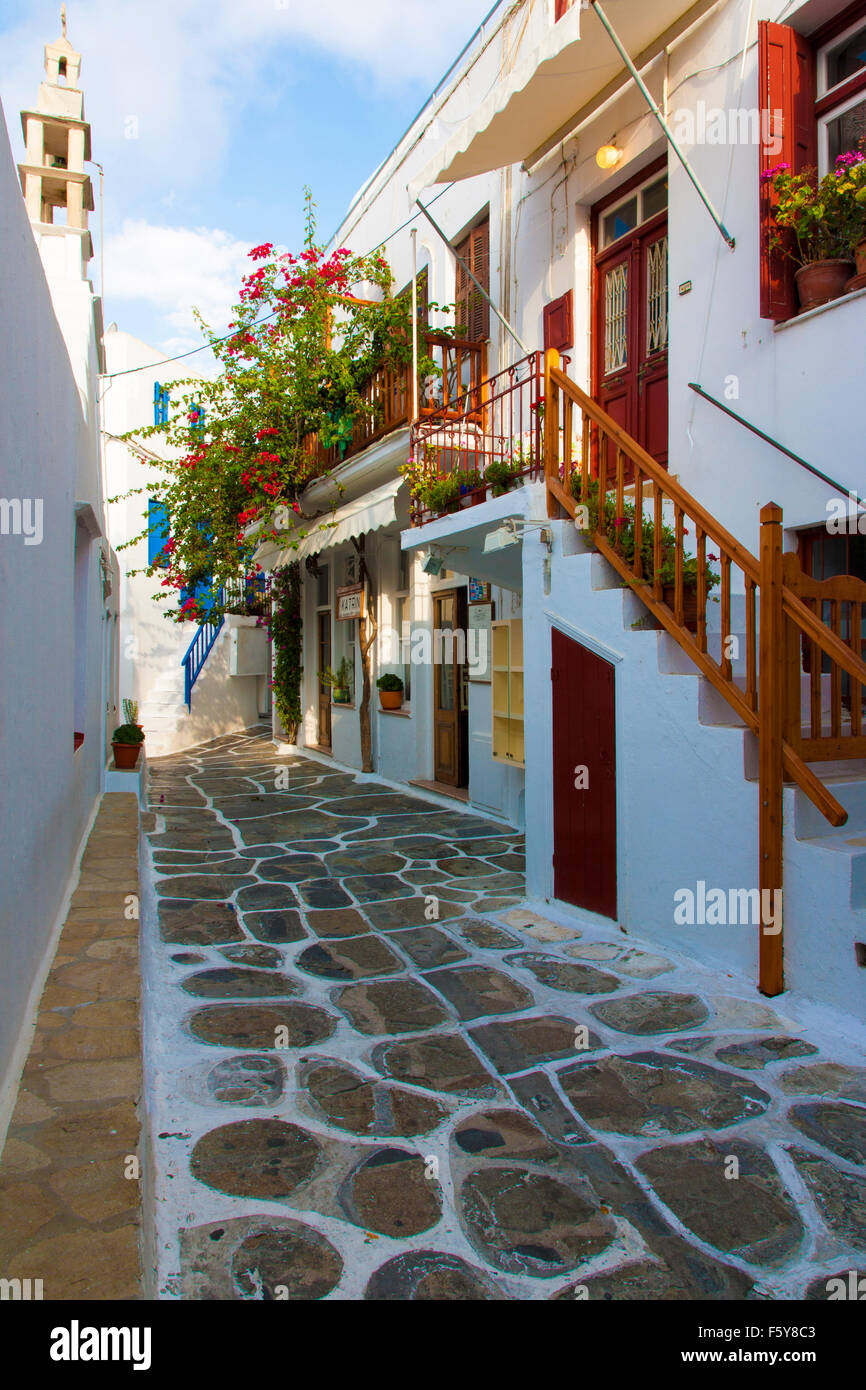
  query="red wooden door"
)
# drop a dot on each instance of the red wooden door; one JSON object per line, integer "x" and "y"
{"x": 584, "y": 777}
{"x": 631, "y": 335}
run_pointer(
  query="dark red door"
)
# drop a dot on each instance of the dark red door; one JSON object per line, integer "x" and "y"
{"x": 631, "y": 334}
{"x": 584, "y": 777}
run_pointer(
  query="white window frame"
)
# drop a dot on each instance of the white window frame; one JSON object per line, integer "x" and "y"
{"x": 823, "y": 90}
{"x": 627, "y": 198}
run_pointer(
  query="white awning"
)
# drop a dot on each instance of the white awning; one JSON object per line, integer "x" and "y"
{"x": 547, "y": 95}
{"x": 371, "y": 512}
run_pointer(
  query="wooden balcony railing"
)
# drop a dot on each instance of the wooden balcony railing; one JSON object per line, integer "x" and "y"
{"x": 388, "y": 395}
{"x": 816, "y": 715}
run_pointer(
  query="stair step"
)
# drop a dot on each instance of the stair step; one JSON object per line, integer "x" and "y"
{"x": 852, "y": 847}
{"x": 809, "y": 824}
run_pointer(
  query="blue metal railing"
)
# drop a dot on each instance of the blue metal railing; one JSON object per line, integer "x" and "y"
{"x": 198, "y": 650}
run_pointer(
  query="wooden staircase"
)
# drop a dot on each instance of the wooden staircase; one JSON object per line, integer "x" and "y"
{"x": 798, "y": 685}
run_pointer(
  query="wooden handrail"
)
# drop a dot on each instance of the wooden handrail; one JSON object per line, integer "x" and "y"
{"x": 770, "y": 704}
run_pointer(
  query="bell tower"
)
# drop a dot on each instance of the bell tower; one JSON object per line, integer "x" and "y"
{"x": 57, "y": 191}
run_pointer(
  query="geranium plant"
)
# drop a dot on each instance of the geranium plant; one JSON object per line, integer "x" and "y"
{"x": 819, "y": 219}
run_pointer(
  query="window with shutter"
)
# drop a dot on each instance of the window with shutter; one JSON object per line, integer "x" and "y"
{"x": 559, "y": 323}
{"x": 786, "y": 77}
{"x": 471, "y": 310}
{"x": 560, "y": 7}
{"x": 157, "y": 528}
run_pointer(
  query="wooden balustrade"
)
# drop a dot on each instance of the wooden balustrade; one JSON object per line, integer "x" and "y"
{"x": 388, "y": 400}
{"x": 618, "y": 490}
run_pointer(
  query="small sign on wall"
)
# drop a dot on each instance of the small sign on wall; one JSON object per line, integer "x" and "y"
{"x": 478, "y": 641}
{"x": 479, "y": 592}
{"x": 350, "y": 602}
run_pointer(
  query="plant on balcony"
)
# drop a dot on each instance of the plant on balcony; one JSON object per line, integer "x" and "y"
{"x": 819, "y": 223}
{"x": 438, "y": 494}
{"x": 501, "y": 477}
{"x": 235, "y": 452}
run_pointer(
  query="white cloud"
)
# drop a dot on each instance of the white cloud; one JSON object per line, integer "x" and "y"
{"x": 170, "y": 270}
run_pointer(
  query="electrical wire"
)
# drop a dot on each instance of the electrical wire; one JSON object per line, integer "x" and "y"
{"x": 127, "y": 371}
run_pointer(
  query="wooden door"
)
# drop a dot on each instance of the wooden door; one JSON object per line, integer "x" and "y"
{"x": 631, "y": 331}
{"x": 450, "y": 712}
{"x": 324, "y": 661}
{"x": 584, "y": 777}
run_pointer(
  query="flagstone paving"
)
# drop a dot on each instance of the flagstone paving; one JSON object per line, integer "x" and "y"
{"x": 373, "y": 1074}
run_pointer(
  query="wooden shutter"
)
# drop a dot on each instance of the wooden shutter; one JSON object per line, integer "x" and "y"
{"x": 471, "y": 308}
{"x": 560, "y": 8}
{"x": 559, "y": 323}
{"x": 786, "y": 93}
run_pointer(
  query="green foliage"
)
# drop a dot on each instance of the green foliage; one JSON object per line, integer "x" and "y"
{"x": 438, "y": 494}
{"x": 286, "y": 632}
{"x": 621, "y": 528}
{"x": 128, "y": 733}
{"x": 826, "y": 217}
{"x": 239, "y": 449}
{"x": 502, "y": 476}
{"x": 389, "y": 682}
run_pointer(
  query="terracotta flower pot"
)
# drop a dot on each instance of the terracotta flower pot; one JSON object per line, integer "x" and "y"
{"x": 860, "y": 257}
{"x": 690, "y": 605}
{"x": 126, "y": 754}
{"x": 822, "y": 281}
{"x": 390, "y": 699}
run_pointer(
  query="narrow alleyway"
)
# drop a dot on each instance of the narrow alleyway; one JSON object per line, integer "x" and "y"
{"x": 371, "y": 1073}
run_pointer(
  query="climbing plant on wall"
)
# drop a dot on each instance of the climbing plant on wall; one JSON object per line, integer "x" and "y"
{"x": 286, "y": 634}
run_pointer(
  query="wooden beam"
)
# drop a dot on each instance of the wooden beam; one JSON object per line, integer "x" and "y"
{"x": 770, "y": 784}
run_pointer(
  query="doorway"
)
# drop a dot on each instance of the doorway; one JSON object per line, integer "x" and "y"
{"x": 450, "y": 697}
{"x": 584, "y": 777}
{"x": 631, "y": 325}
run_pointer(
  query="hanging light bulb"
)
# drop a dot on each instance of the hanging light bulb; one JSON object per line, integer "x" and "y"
{"x": 608, "y": 156}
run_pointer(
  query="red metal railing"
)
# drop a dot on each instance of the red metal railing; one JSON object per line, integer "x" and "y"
{"x": 497, "y": 421}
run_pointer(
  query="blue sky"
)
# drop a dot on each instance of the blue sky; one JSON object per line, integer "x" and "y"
{"x": 209, "y": 116}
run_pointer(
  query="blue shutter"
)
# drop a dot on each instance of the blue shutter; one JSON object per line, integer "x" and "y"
{"x": 160, "y": 404}
{"x": 157, "y": 528}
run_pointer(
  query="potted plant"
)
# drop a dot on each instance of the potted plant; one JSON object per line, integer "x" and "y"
{"x": 343, "y": 682}
{"x": 390, "y": 689}
{"x": 850, "y": 171}
{"x": 130, "y": 713}
{"x": 500, "y": 477}
{"x": 815, "y": 219}
{"x": 126, "y": 744}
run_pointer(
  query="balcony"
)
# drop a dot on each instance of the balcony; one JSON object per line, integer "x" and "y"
{"x": 483, "y": 441}
{"x": 461, "y": 366}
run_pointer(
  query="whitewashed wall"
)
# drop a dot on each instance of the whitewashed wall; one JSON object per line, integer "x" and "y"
{"x": 48, "y": 451}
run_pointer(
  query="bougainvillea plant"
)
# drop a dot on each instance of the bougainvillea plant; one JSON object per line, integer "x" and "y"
{"x": 286, "y": 634}
{"x": 308, "y": 333}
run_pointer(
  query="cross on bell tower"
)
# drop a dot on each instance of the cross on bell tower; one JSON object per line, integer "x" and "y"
{"x": 57, "y": 140}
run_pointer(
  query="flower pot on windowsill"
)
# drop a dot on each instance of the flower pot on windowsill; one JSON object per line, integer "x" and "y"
{"x": 126, "y": 755}
{"x": 859, "y": 280}
{"x": 391, "y": 699}
{"x": 822, "y": 281}
{"x": 341, "y": 695}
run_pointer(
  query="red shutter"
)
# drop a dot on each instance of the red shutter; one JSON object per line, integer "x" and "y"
{"x": 786, "y": 96}
{"x": 559, "y": 9}
{"x": 559, "y": 323}
{"x": 471, "y": 308}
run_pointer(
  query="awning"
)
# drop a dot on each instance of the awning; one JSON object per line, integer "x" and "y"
{"x": 371, "y": 512}
{"x": 575, "y": 68}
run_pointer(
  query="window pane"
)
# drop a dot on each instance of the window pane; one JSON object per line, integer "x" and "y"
{"x": 655, "y": 198}
{"x": 621, "y": 220}
{"x": 616, "y": 318}
{"x": 322, "y": 588}
{"x": 846, "y": 132}
{"x": 404, "y": 637}
{"x": 848, "y": 58}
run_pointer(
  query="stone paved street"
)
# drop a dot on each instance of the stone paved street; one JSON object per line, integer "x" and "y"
{"x": 373, "y": 1074}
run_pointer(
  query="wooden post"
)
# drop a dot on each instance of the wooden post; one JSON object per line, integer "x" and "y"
{"x": 770, "y": 726}
{"x": 551, "y": 429}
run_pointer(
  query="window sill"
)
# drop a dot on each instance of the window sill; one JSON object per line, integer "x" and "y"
{"x": 822, "y": 309}
{"x": 339, "y": 704}
{"x": 399, "y": 713}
